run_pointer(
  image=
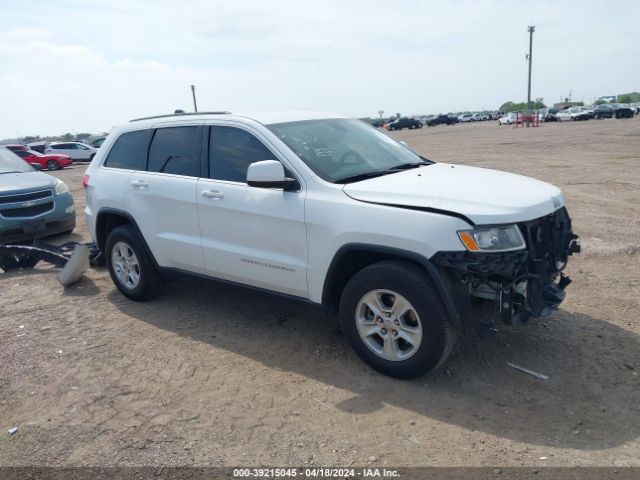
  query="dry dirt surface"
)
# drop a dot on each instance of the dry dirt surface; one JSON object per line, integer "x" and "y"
{"x": 215, "y": 375}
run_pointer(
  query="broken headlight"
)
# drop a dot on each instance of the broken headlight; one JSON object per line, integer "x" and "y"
{"x": 502, "y": 238}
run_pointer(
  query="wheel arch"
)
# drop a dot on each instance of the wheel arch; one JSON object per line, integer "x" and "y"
{"x": 110, "y": 218}
{"x": 352, "y": 258}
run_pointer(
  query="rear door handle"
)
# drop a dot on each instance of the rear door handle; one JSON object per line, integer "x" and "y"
{"x": 139, "y": 184}
{"x": 212, "y": 194}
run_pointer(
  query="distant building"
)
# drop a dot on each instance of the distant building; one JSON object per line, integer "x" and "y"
{"x": 634, "y": 97}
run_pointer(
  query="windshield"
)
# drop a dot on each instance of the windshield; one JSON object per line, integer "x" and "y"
{"x": 34, "y": 153}
{"x": 11, "y": 163}
{"x": 342, "y": 148}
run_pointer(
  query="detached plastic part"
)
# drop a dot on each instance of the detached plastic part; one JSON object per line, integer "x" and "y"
{"x": 77, "y": 264}
{"x": 73, "y": 258}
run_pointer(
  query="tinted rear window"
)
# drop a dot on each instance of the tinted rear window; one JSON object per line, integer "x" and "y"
{"x": 129, "y": 151}
{"x": 176, "y": 150}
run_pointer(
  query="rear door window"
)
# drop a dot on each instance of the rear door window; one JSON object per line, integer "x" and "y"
{"x": 129, "y": 151}
{"x": 176, "y": 150}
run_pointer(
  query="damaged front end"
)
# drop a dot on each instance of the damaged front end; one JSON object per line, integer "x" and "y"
{"x": 523, "y": 283}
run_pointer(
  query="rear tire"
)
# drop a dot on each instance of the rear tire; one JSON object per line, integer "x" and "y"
{"x": 52, "y": 165}
{"x": 130, "y": 266}
{"x": 410, "y": 334}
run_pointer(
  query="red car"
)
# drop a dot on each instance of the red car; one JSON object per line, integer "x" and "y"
{"x": 48, "y": 162}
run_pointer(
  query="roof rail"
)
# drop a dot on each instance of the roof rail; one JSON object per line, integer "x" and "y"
{"x": 180, "y": 115}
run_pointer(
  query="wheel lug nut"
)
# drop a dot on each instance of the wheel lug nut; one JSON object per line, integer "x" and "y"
{"x": 384, "y": 331}
{"x": 397, "y": 322}
{"x": 380, "y": 320}
{"x": 387, "y": 314}
{"x": 394, "y": 332}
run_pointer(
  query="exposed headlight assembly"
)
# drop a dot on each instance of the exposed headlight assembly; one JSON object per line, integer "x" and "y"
{"x": 502, "y": 238}
{"x": 61, "y": 188}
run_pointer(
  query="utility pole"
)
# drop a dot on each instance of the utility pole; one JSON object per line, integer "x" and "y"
{"x": 531, "y": 29}
{"x": 195, "y": 105}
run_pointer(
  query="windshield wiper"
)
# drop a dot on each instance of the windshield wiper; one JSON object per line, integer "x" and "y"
{"x": 407, "y": 166}
{"x": 363, "y": 176}
{"x": 380, "y": 173}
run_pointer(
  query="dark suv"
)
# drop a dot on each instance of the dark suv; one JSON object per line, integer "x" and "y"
{"x": 404, "y": 122}
{"x": 603, "y": 111}
{"x": 440, "y": 120}
{"x": 623, "y": 110}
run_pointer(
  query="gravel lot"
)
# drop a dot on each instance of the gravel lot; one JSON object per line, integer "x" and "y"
{"x": 217, "y": 375}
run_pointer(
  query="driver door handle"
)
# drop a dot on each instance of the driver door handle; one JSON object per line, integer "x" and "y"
{"x": 139, "y": 184}
{"x": 213, "y": 194}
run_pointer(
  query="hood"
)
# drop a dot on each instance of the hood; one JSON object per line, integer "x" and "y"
{"x": 484, "y": 196}
{"x": 11, "y": 183}
{"x": 54, "y": 156}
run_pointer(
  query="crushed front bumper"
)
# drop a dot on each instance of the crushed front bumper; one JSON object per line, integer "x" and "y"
{"x": 525, "y": 283}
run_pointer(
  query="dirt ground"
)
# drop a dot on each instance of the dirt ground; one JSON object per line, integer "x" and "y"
{"x": 222, "y": 376}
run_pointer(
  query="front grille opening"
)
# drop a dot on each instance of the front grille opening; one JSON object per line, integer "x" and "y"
{"x": 26, "y": 212}
{"x": 25, "y": 197}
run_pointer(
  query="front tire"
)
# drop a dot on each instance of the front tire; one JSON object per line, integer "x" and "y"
{"x": 395, "y": 321}
{"x": 130, "y": 266}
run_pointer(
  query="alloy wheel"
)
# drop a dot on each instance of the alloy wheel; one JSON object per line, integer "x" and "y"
{"x": 389, "y": 325}
{"x": 125, "y": 265}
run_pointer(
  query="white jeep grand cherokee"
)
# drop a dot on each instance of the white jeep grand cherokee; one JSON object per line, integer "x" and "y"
{"x": 329, "y": 210}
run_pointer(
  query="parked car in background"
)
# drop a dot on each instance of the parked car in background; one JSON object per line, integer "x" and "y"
{"x": 547, "y": 115}
{"x": 32, "y": 204}
{"x": 573, "y": 113}
{"x": 507, "y": 119}
{"x": 467, "y": 117}
{"x": 603, "y": 111}
{"x": 37, "y": 146}
{"x": 623, "y": 110}
{"x": 97, "y": 142}
{"x": 78, "y": 151}
{"x": 588, "y": 111}
{"x": 49, "y": 162}
{"x": 404, "y": 122}
{"x": 440, "y": 120}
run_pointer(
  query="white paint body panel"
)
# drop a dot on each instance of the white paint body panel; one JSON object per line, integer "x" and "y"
{"x": 485, "y": 196}
{"x": 285, "y": 241}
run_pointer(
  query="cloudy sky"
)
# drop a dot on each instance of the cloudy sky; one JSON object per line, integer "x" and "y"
{"x": 82, "y": 65}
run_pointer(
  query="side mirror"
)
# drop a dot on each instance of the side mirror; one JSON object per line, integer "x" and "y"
{"x": 269, "y": 174}
{"x": 37, "y": 166}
